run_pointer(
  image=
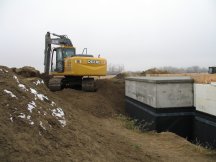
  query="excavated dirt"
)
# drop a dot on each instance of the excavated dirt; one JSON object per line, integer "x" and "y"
{"x": 26, "y": 71}
{"x": 71, "y": 125}
{"x": 154, "y": 71}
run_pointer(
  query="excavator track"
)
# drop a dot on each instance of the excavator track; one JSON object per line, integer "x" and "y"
{"x": 88, "y": 85}
{"x": 55, "y": 84}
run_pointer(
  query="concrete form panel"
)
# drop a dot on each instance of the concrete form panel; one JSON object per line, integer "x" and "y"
{"x": 174, "y": 95}
{"x": 205, "y": 98}
{"x": 161, "y": 92}
{"x": 141, "y": 91}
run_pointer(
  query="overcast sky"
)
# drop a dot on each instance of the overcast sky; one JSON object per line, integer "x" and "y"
{"x": 137, "y": 33}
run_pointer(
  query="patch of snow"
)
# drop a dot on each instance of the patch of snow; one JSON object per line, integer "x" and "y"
{"x": 59, "y": 113}
{"x": 3, "y": 70}
{"x": 22, "y": 116}
{"x": 53, "y": 103}
{"x": 31, "y": 106}
{"x": 15, "y": 77}
{"x": 31, "y": 123}
{"x": 34, "y": 104}
{"x": 37, "y": 95}
{"x": 63, "y": 122}
{"x": 10, "y": 93}
{"x": 23, "y": 87}
{"x": 41, "y": 97}
{"x": 41, "y": 124}
{"x": 11, "y": 118}
{"x": 45, "y": 113}
{"x": 33, "y": 91}
{"x": 38, "y": 112}
{"x": 29, "y": 119}
{"x": 38, "y": 82}
{"x": 40, "y": 133}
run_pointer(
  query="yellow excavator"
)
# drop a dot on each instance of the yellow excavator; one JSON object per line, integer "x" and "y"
{"x": 68, "y": 69}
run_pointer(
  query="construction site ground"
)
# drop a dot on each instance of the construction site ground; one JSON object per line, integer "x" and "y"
{"x": 71, "y": 125}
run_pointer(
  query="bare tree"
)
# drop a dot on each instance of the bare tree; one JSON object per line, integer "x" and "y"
{"x": 114, "y": 69}
{"x": 191, "y": 69}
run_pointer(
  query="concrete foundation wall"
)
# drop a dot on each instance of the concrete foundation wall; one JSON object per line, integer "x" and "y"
{"x": 174, "y": 95}
{"x": 205, "y": 98}
{"x": 165, "y": 94}
{"x": 141, "y": 91}
{"x": 169, "y": 105}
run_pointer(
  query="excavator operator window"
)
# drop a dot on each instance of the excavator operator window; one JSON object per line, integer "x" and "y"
{"x": 68, "y": 52}
{"x": 53, "y": 61}
{"x": 57, "y": 61}
{"x": 58, "y": 56}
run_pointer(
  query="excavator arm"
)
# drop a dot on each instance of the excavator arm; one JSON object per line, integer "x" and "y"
{"x": 60, "y": 40}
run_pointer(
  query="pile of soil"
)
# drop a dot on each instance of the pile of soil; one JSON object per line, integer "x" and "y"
{"x": 28, "y": 117}
{"x": 154, "y": 71}
{"x": 27, "y": 71}
{"x": 106, "y": 102}
{"x": 71, "y": 125}
{"x": 121, "y": 76}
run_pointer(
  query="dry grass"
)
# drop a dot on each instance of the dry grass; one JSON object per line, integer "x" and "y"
{"x": 129, "y": 123}
{"x": 202, "y": 78}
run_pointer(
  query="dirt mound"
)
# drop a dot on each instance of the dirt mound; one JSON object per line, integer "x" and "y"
{"x": 28, "y": 115}
{"x": 38, "y": 125}
{"x": 27, "y": 71}
{"x": 154, "y": 71}
{"x": 45, "y": 78}
{"x": 71, "y": 125}
{"x": 106, "y": 102}
{"x": 121, "y": 76}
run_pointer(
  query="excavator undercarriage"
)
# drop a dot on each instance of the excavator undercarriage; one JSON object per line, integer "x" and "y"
{"x": 58, "y": 83}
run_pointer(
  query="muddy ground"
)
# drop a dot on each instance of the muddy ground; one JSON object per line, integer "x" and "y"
{"x": 71, "y": 125}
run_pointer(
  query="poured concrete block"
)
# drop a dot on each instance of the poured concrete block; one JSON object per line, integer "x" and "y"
{"x": 205, "y": 116}
{"x": 161, "y": 92}
{"x": 161, "y": 103}
{"x": 205, "y": 98}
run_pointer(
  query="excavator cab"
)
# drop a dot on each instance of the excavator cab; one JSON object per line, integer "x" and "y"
{"x": 58, "y": 56}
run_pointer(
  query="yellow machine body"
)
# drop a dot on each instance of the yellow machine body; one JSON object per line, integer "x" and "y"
{"x": 83, "y": 66}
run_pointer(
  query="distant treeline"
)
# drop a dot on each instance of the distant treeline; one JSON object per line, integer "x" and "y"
{"x": 191, "y": 69}
{"x": 114, "y": 69}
